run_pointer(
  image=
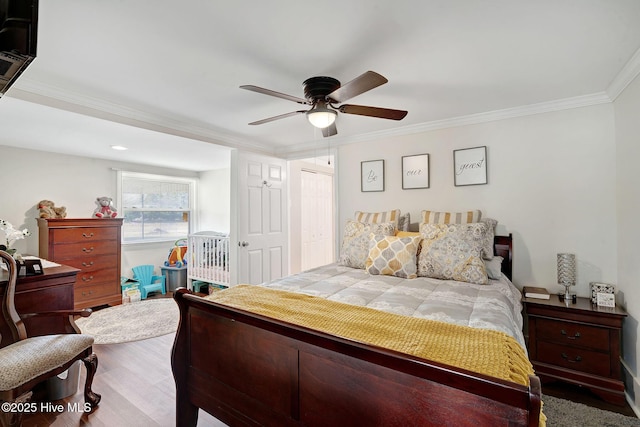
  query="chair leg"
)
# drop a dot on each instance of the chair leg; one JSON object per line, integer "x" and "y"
{"x": 14, "y": 418}
{"x": 90, "y": 397}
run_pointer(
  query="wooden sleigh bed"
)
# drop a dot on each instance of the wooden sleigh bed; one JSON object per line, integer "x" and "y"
{"x": 247, "y": 369}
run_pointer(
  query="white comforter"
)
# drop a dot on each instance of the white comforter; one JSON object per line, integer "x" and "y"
{"x": 494, "y": 306}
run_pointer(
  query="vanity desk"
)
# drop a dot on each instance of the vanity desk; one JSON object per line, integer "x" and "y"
{"x": 52, "y": 290}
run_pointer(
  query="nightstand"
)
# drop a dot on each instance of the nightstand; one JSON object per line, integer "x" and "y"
{"x": 578, "y": 343}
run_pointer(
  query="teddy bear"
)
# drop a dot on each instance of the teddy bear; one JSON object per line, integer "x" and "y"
{"x": 105, "y": 208}
{"x": 48, "y": 209}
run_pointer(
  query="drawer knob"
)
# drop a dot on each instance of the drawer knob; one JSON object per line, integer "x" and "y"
{"x": 577, "y": 359}
{"x": 87, "y": 250}
{"x": 87, "y": 279}
{"x": 84, "y": 264}
{"x": 88, "y": 236}
{"x": 576, "y": 335}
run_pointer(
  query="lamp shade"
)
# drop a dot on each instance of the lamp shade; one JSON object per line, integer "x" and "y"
{"x": 567, "y": 269}
{"x": 321, "y": 117}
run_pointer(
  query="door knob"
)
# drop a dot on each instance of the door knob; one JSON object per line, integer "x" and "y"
{"x": 243, "y": 244}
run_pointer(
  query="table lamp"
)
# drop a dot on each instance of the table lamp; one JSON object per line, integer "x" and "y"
{"x": 567, "y": 273}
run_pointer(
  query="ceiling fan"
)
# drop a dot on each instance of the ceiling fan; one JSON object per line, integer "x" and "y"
{"x": 323, "y": 93}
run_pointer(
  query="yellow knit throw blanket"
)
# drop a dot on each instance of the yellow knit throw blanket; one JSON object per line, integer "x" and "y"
{"x": 484, "y": 351}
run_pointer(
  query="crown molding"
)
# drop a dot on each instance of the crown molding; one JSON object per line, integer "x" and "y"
{"x": 39, "y": 93}
{"x": 32, "y": 91}
{"x": 471, "y": 119}
{"x": 628, "y": 73}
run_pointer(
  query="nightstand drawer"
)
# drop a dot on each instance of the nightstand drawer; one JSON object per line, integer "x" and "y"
{"x": 592, "y": 362}
{"x": 573, "y": 334}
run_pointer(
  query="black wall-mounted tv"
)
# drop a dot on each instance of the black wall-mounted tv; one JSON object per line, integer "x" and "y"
{"x": 18, "y": 39}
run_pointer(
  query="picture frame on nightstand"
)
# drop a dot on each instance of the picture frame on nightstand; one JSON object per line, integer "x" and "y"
{"x": 604, "y": 288}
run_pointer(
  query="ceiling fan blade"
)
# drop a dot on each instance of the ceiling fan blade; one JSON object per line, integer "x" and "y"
{"x": 281, "y": 116}
{"x": 355, "y": 87}
{"x": 382, "y": 113}
{"x": 276, "y": 94}
{"x": 330, "y": 130}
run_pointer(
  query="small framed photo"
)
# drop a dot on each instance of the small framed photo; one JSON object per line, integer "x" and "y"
{"x": 470, "y": 166}
{"x": 372, "y": 175}
{"x": 597, "y": 288}
{"x": 605, "y": 299}
{"x": 415, "y": 171}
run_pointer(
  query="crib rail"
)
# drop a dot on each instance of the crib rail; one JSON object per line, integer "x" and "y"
{"x": 208, "y": 258}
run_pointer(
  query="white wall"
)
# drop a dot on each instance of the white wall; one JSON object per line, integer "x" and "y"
{"x": 214, "y": 201}
{"x": 550, "y": 182}
{"x": 75, "y": 182}
{"x": 627, "y": 109}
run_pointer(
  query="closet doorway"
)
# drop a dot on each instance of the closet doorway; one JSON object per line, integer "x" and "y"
{"x": 312, "y": 215}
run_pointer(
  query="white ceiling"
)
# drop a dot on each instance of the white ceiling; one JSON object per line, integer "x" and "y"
{"x": 162, "y": 77}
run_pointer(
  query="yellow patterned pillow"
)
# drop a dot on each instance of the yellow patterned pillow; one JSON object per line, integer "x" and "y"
{"x": 393, "y": 256}
{"x": 378, "y": 217}
{"x": 433, "y": 217}
{"x": 401, "y": 233}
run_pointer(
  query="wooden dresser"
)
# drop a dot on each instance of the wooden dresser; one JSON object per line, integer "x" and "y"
{"x": 91, "y": 245}
{"x": 578, "y": 343}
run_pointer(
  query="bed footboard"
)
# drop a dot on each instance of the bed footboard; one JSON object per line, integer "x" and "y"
{"x": 246, "y": 369}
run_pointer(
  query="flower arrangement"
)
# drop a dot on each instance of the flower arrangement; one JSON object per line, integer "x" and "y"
{"x": 11, "y": 234}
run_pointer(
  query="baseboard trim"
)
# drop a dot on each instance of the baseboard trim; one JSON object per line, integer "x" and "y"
{"x": 632, "y": 383}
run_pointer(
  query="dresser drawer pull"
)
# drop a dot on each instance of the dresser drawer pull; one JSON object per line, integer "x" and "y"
{"x": 577, "y": 359}
{"x": 84, "y": 264}
{"x": 577, "y": 335}
{"x": 87, "y": 279}
{"x": 88, "y": 250}
{"x": 84, "y": 294}
{"x": 88, "y": 236}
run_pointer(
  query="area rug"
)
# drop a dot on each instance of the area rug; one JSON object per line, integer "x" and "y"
{"x": 131, "y": 322}
{"x": 564, "y": 413}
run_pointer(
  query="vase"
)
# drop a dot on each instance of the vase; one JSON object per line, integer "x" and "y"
{"x": 11, "y": 252}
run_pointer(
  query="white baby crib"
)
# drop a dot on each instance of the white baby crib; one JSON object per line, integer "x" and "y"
{"x": 208, "y": 254}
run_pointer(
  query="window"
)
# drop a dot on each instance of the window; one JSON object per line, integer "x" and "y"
{"x": 155, "y": 208}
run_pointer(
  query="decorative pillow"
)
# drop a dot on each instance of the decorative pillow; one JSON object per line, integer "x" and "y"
{"x": 378, "y": 217}
{"x": 494, "y": 267}
{"x": 393, "y": 256}
{"x": 433, "y": 217}
{"x": 453, "y": 252}
{"x": 487, "y": 247}
{"x": 401, "y": 233}
{"x": 404, "y": 221}
{"x": 355, "y": 241}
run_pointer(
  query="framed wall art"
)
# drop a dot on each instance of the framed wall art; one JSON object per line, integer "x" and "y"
{"x": 470, "y": 166}
{"x": 415, "y": 171}
{"x": 372, "y": 175}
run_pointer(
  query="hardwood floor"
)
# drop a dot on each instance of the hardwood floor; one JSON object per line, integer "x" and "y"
{"x": 136, "y": 385}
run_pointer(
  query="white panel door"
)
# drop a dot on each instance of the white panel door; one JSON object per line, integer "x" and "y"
{"x": 317, "y": 219}
{"x": 261, "y": 198}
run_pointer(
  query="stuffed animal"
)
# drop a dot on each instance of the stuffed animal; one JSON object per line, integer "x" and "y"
{"x": 105, "y": 208}
{"x": 48, "y": 209}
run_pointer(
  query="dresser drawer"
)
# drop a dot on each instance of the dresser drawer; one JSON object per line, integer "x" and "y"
{"x": 583, "y": 360}
{"x": 85, "y": 294}
{"x": 573, "y": 334}
{"x": 85, "y": 234}
{"x": 81, "y": 251}
{"x": 91, "y": 262}
{"x": 95, "y": 277}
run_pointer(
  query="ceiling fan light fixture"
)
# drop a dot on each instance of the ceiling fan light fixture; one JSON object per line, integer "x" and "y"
{"x": 321, "y": 117}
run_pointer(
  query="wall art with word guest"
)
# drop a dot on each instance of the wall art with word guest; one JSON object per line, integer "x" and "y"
{"x": 415, "y": 171}
{"x": 372, "y": 175}
{"x": 470, "y": 166}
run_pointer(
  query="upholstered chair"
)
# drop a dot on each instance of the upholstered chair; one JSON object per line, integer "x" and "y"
{"x": 26, "y": 361}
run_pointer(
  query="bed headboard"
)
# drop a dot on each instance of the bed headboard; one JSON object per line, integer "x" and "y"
{"x": 503, "y": 246}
